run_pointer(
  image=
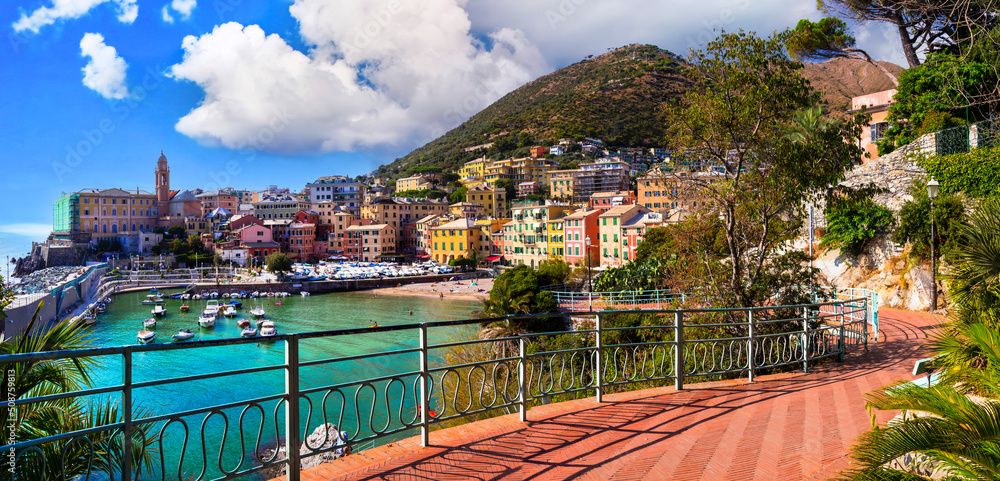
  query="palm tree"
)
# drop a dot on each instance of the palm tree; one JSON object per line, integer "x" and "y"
{"x": 806, "y": 124}
{"x": 32, "y": 379}
{"x": 943, "y": 430}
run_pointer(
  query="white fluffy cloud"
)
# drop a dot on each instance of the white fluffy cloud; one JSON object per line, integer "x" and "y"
{"x": 182, "y": 7}
{"x": 377, "y": 73}
{"x": 127, "y": 10}
{"x": 568, "y": 30}
{"x": 105, "y": 69}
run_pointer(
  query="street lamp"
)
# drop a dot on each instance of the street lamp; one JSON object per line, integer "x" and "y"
{"x": 932, "y": 192}
{"x": 590, "y": 277}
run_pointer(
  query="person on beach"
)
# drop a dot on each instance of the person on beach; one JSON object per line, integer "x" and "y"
{"x": 411, "y": 312}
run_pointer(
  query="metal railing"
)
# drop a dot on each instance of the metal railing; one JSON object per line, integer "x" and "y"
{"x": 569, "y": 299}
{"x": 426, "y": 387}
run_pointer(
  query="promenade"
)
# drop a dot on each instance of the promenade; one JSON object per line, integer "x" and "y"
{"x": 787, "y": 426}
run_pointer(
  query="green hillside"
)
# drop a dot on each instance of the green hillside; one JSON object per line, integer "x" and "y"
{"x": 619, "y": 97}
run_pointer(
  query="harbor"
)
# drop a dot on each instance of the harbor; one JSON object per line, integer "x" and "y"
{"x": 293, "y": 314}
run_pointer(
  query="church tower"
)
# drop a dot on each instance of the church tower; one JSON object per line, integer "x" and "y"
{"x": 162, "y": 183}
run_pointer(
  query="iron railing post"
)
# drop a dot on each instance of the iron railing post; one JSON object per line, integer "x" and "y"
{"x": 678, "y": 351}
{"x": 424, "y": 383}
{"x": 840, "y": 314}
{"x": 750, "y": 349}
{"x": 805, "y": 339}
{"x": 598, "y": 359}
{"x": 864, "y": 322}
{"x": 292, "y": 406}
{"x": 127, "y": 413}
{"x": 522, "y": 371}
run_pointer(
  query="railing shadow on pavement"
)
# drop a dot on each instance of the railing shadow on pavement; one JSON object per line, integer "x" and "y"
{"x": 517, "y": 372}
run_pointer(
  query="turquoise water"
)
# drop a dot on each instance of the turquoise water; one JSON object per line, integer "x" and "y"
{"x": 296, "y": 315}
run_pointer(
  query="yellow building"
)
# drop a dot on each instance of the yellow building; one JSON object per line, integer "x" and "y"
{"x": 493, "y": 200}
{"x": 527, "y": 169}
{"x": 556, "y": 233}
{"x": 103, "y": 213}
{"x": 526, "y": 239}
{"x": 473, "y": 171}
{"x": 561, "y": 183}
{"x": 417, "y": 182}
{"x": 461, "y": 238}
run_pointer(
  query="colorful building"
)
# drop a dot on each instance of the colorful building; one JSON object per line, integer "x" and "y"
{"x": 215, "y": 199}
{"x": 605, "y": 200}
{"x": 458, "y": 239}
{"x": 526, "y": 240}
{"x": 473, "y": 172}
{"x": 416, "y": 182}
{"x": 579, "y": 226}
{"x": 612, "y": 243}
{"x": 339, "y": 191}
{"x": 93, "y": 214}
{"x": 635, "y": 230}
{"x": 277, "y": 206}
{"x": 367, "y": 242}
{"x": 493, "y": 200}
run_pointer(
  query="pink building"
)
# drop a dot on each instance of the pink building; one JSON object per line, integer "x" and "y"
{"x": 606, "y": 200}
{"x": 301, "y": 238}
{"x": 635, "y": 229}
{"x": 580, "y": 225}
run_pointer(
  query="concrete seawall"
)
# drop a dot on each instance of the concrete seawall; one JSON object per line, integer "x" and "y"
{"x": 54, "y": 303}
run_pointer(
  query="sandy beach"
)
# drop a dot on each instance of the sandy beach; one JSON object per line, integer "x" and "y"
{"x": 463, "y": 289}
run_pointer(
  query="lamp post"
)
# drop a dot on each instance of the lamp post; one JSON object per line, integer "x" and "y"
{"x": 932, "y": 191}
{"x": 590, "y": 277}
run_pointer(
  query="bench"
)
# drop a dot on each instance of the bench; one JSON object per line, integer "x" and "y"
{"x": 923, "y": 366}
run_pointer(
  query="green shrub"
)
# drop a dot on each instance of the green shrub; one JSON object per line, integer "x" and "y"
{"x": 915, "y": 225}
{"x": 853, "y": 220}
{"x": 976, "y": 173}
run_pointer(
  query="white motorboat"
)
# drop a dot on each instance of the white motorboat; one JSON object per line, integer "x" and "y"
{"x": 183, "y": 335}
{"x": 89, "y": 318}
{"x": 225, "y": 295}
{"x": 258, "y": 312}
{"x": 204, "y": 321}
{"x": 159, "y": 311}
{"x": 230, "y": 311}
{"x": 267, "y": 329}
{"x": 254, "y": 294}
{"x": 211, "y": 310}
{"x": 248, "y": 332}
{"x": 149, "y": 300}
{"x": 149, "y": 323}
{"x": 304, "y": 293}
{"x": 146, "y": 337}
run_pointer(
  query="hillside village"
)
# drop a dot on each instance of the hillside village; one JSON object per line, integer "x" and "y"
{"x": 516, "y": 211}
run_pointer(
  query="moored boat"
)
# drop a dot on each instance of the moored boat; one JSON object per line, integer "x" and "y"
{"x": 258, "y": 312}
{"x": 183, "y": 335}
{"x": 267, "y": 329}
{"x": 185, "y": 307}
{"x": 159, "y": 311}
{"x": 243, "y": 323}
{"x": 230, "y": 311}
{"x": 205, "y": 321}
{"x": 248, "y": 332}
{"x": 146, "y": 337}
{"x": 149, "y": 323}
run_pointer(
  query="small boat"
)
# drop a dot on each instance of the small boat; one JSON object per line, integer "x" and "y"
{"x": 254, "y": 294}
{"x": 149, "y": 323}
{"x": 149, "y": 300}
{"x": 260, "y": 322}
{"x": 225, "y": 295}
{"x": 304, "y": 293}
{"x": 230, "y": 311}
{"x": 214, "y": 295}
{"x": 277, "y": 303}
{"x": 236, "y": 304}
{"x": 159, "y": 311}
{"x": 196, "y": 297}
{"x": 248, "y": 332}
{"x": 243, "y": 323}
{"x": 267, "y": 329}
{"x": 258, "y": 312}
{"x": 211, "y": 310}
{"x": 89, "y": 318}
{"x": 101, "y": 308}
{"x": 183, "y": 335}
{"x": 185, "y": 307}
{"x": 146, "y": 337}
{"x": 205, "y": 321}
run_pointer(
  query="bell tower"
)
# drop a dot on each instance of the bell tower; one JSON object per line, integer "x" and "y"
{"x": 162, "y": 182}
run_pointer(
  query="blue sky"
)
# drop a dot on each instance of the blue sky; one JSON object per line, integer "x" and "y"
{"x": 247, "y": 93}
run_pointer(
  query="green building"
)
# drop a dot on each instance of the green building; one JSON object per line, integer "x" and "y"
{"x": 66, "y": 215}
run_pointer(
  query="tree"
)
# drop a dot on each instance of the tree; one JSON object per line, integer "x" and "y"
{"x": 928, "y": 25}
{"x": 278, "y": 263}
{"x": 732, "y": 121}
{"x": 458, "y": 195}
{"x": 828, "y": 38}
{"x": 806, "y": 124}
{"x": 194, "y": 242}
{"x": 176, "y": 232}
{"x": 554, "y": 271}
{"x": 915, "y": 225}
{"x": 516, "y": 292}
{"x": 159, "y": 230}
{"x": 853, "y": 219}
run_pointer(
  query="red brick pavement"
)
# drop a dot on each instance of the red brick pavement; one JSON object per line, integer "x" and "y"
{"x": 785, "y": 426}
